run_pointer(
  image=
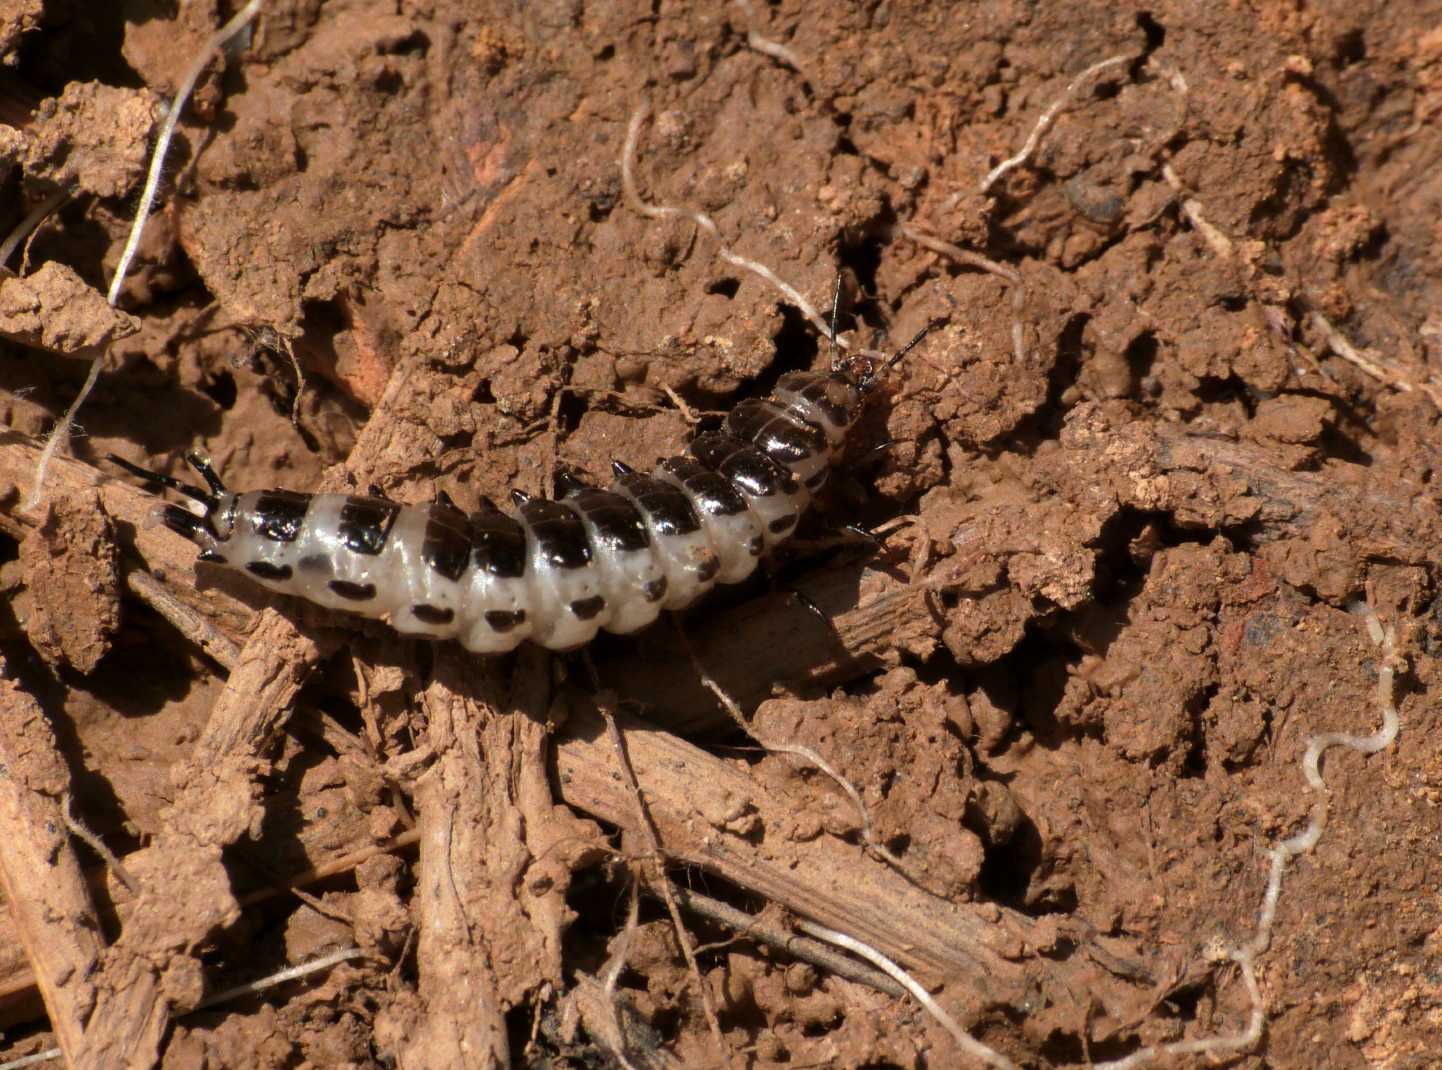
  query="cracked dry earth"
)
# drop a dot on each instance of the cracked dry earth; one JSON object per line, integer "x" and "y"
{"x": 1118, "y": 587}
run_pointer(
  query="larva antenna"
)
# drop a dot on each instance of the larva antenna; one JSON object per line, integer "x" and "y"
{"x": 201, "y": 463}
{"x": 870, "y": 378}
{"x": 208, "y": 498}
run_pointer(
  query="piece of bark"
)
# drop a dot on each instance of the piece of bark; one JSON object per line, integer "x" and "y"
{"x": 867, "y": 618}
{"x": 709, "y": 813}
{"x": 151, "y": 971}
{"x": 496, "y": 858}
{"x": 46, "y": 893}
{"x": 458, "y": 1022}
{"x": 304, "y": 840}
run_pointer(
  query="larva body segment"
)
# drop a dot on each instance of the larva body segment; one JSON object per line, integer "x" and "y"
{"x": 554, "y": 572}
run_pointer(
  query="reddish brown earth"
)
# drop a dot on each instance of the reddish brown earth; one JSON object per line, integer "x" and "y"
{"x": 1072, "y": 687}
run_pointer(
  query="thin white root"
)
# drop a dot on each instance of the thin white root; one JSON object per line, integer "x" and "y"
{"x": 968, "y": 1043}
{"x": 1337, "y": 342}
{"x": 976, "y": 260}
{"x": 293, "y": 973}
{"x": 80, "y": 831}
{"x": 1192, "y": 209}
{"x": 868, "y": 833}
{"x": 706, "y": 223}
{"x": 765, "y": 45}
{"x": 611, "y": 973}
{"x": 1217, "y": 1045}
{"x": 1245, "y": 955}
{"x": 60, "y": 437}
{"x": 32, "y": 1060}
{"x": 1047, "y": 118}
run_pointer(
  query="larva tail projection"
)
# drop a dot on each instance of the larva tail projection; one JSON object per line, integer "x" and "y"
{"x": 553, "y": 572}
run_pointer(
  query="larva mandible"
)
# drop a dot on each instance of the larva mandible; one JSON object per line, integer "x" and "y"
{"x": 554, "y": 572}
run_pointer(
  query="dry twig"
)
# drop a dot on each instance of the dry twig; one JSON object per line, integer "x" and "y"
{"x": 647, "y": 828}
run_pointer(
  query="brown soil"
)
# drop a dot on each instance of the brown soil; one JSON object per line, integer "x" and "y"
{"x": 1072, "y": 690}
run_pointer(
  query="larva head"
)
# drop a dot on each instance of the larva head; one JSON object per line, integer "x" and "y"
{"x": 208, "y": 529}
{"x": 833, "y": 400}
{"x": 872, "y": 373}
{"x": 844, "y": 368}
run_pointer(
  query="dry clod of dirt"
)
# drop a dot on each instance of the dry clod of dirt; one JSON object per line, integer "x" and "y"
{"x": 53, "y": 308}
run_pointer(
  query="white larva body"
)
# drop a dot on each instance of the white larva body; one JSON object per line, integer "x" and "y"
{"x": 553, "y": 572}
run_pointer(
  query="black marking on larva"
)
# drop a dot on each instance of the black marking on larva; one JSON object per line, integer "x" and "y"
{"x": 519, "y": 498}
{"x": 266, "y": 571}
{"x": 656, "y": 589}
{"x": 780, "y": 433}
{"x": 182, "y": 521}
{"x": 666, "y": 504}
{"x": 622, "y": 469}
{"x": 560, "y": 536}
{"x": 782, "y": 523}
{"x": 446, "y": 546}
{"x": 315, "y": 563}
{"x": 707, "y": 569}
{"x": 432, "y": 614}
{"x": 615, "y": 521}
{"x": 353, "y": 592}
{"x": 278, "y": 514}
{"x": 588, "y": 608}
{"x": 365, "y": 524}
{"x": 210, "y": 557}
{"x": 711, "y": 491}
{"x": 818, "y": 481}
{"x": 505, "y": 620}
{"x": 498, "y": 543}
{"x": 755, "y": 544}
{"x": 743, "y": 464}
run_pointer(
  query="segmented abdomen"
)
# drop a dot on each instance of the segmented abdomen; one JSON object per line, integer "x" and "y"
{"x": 554, "y": 572}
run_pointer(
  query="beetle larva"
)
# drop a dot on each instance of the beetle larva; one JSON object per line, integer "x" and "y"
{"x": 553, "y": 572}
